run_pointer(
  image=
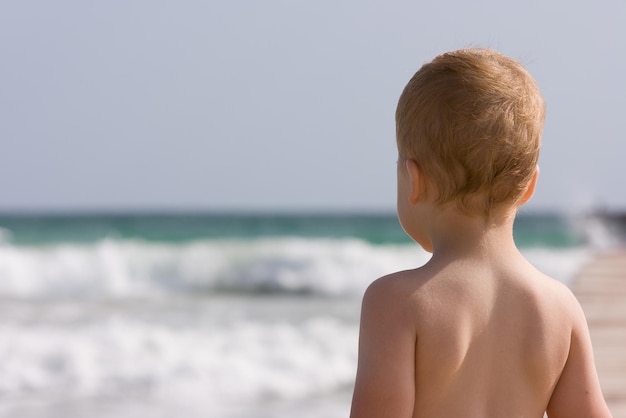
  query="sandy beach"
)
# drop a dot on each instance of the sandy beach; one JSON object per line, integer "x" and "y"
{"x": 601, "y": 289}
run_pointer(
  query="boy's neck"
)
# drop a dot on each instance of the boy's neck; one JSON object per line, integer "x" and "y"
{"x": 456, "y": 235}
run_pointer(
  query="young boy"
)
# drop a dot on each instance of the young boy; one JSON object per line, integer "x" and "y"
{"x": 477, "y": 331}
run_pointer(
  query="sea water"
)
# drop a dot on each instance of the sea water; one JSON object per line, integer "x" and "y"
{"x": 206, "y": 315}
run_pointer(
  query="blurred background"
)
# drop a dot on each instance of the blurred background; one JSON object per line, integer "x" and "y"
{"x": 194, "y": 195}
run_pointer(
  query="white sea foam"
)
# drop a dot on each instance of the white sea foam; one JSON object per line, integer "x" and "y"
{"x": 244, "y": 361}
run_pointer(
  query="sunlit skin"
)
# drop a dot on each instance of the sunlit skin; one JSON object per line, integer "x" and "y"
{"x": 475, "y": 332}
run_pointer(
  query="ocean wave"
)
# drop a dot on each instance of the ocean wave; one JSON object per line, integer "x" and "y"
{"x": 131, "y": 268}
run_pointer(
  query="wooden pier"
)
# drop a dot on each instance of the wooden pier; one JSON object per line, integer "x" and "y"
{"x": 600, "y": 287}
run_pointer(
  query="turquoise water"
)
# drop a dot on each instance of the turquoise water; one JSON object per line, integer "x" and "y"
{"x": 550, "y": 230}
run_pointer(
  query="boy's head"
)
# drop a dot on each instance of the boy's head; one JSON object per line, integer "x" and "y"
{"x": 472, "y": 121}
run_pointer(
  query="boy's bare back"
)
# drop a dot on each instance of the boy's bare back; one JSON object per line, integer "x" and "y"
{"x": 477, "y": 335}
{"x": 477, "y": 331}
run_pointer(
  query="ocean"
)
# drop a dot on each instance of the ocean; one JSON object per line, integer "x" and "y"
{"x": 208, "y": 315}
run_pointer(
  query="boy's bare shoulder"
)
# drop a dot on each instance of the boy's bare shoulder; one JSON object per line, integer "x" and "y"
{"x": 398, "y": 294}
{"x": 400, "y": 286}
{"x": 427, "y": 288}
{"x": 400, "y": 281}
{"x": 429, "y": 295}
{"x": 555, "y": 293}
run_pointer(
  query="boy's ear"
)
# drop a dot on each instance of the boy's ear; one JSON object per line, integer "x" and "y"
{"x": 531, "y": 187}
{"x": 417, "y": 181}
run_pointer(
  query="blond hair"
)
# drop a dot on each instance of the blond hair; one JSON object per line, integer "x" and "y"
{"x": 472, "y": 120}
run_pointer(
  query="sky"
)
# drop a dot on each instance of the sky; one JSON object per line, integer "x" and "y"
{"x": 281, "y": 105}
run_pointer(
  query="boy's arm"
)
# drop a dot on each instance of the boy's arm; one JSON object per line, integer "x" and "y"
{"x": 385, "y": 381}
{"x": 578, "y": 392}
